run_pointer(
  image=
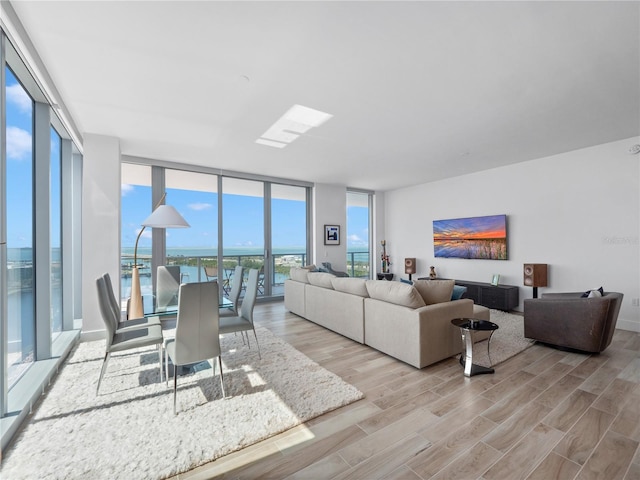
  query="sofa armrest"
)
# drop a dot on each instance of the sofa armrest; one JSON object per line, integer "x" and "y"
{"x": 419, "y": 336}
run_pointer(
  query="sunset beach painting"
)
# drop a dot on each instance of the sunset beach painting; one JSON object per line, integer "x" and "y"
{"x": 474, "y": 237}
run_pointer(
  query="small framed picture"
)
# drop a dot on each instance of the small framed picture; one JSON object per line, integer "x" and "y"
{"x": 332, "y": 234}
{"x": 495, "y": 279}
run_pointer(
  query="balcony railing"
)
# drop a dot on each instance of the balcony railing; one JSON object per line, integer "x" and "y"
{"x": 192, "y": 268}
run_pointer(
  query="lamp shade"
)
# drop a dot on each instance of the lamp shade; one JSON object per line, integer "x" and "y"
{"x": 165, "y": 216}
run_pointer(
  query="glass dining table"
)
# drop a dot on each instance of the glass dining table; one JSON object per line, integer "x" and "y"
{"x": 172, "y": 310}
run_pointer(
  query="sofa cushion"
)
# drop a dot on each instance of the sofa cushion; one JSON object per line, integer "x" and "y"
{"x": 354, "y": 286}
{"x": 321, "y": 279}
{"x": 395, "y": 292}
{"x": 458, "y": 292}
{"x": 299, "y": 274}
{"x": 434, "y": 291}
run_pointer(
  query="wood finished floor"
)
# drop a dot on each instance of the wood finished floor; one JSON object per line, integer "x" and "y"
{"x": 545, "y": 414}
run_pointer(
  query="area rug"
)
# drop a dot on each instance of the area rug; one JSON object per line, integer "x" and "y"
{"x": 506, "y": 342}
{"x": 129, "y": 430}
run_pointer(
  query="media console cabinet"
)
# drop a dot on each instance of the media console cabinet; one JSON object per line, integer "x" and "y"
{"x": 499, "y": 297}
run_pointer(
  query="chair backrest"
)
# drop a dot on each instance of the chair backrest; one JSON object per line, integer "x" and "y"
{"x": 211, "y": 272}
{"x": 197, "y": 323}
{"x": 106, "y": 309}
{"x": 112, "y": 297}
{"x": 236, "y": 287}
{"x": 246, "y": 310}
{"x": 168, "y": 283}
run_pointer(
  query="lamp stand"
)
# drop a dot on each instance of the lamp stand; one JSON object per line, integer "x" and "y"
{"x": 136, "y": 309}
{"x": 135, "y": 302}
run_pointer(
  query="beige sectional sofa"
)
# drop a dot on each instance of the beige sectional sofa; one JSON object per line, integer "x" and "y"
{"x": 409, "y": 322}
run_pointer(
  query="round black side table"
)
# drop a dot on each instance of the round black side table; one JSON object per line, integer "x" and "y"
{"x": 468, "y": 327}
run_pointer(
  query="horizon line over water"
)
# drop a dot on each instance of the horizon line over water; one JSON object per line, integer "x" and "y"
{"x": 228, "y": 251}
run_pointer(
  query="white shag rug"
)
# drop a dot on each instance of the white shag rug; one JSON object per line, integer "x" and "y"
{"x": 506, "y": 342}
{"x": 129, "y": 431}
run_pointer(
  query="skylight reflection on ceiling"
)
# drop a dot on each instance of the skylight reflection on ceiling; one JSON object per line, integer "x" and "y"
{"x": 296, "y": 121}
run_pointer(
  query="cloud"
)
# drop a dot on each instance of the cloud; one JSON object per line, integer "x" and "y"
{"x": 17, "y": 95}
{"x": 200, "y": 206}
{"x": 126, "y": 189}
{"x": 19, "y": 143}
{"x": 247, "y": 243}
{"x": 148, "y": 232}
{"x": 356, "y": 240}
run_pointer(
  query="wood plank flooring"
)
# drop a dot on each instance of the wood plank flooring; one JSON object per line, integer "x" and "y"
{"x": 545, "y": 414}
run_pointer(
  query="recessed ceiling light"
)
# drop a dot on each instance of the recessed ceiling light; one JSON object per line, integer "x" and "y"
{"x": 297, "y": 120}
{"x": 271, "y": 143}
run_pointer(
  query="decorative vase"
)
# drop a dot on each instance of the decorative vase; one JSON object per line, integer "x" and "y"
{"x": 384, "y": 258}
{"x": 432, "y": 273}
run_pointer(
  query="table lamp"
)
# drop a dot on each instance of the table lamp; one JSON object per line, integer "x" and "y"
{"x": 165, "y": 216}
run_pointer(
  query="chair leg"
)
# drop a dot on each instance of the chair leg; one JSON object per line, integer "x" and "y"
{"x": 160, "y": 360}
{"x": 221, "y": 375}
{"x": 256, "y": 335}
{"x": 103, "y": 370}
{"x": 175, "y": 387}
{"x": 166, "y": 367}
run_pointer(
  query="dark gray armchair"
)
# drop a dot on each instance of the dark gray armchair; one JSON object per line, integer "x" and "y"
{"x": 570, "y": 321}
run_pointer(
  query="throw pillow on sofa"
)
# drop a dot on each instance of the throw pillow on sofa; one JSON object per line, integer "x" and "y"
{"x": 596, "y": 292}
{"x": 395, "y": 292}
{"x": 434, "y": 291}
{"x": 458, "y": 292}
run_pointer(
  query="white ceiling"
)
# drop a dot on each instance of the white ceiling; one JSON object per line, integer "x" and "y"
{"x": 419, "y": 91}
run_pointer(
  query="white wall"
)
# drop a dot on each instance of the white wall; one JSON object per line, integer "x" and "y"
{"x": 100, "y": 225}
{"x": 330, "y": 204}
{"x": 579, "y": 212}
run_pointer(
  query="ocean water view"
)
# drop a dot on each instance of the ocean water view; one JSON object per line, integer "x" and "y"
{"x": 193, "y": 259}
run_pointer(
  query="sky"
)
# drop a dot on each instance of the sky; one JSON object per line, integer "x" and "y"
{"x": 493, "y": 226}
{"x": 243, "y": 215}
{"x": 243, "y": 220}
{"x": 19, "y": 165}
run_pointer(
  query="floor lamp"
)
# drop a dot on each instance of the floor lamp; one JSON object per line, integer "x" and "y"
{"x": 165, "y": 216}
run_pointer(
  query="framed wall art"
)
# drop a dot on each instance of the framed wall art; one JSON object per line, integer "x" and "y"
{"x": 332, "y": 234}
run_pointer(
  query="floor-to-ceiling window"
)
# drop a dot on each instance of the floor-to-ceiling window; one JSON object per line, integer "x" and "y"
{"x": 195, "y": 249}
{"x": 55, "y": 235}
{"x": 289, "y": 225}
{"x": 243, "y": 235}
{"x": 39, "y": 168}
{"x": 233, "y": 221}
{"x": 19, "y": 113}
{"x": 135, "y": 206}
{"x": 359, "y": 261}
